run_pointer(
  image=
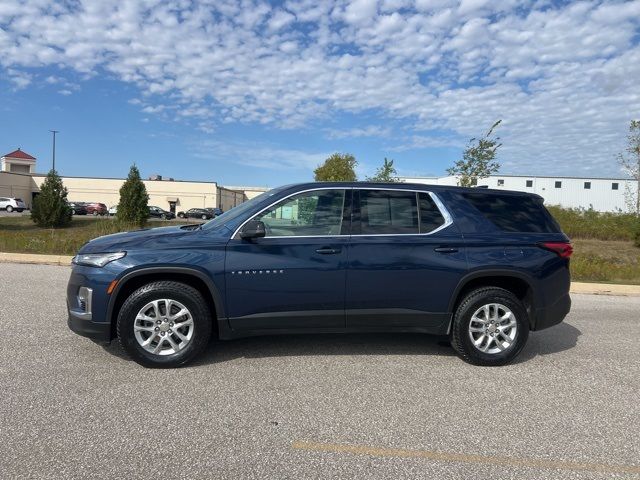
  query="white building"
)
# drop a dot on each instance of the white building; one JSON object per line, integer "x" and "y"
{"x": 601, "y": 194}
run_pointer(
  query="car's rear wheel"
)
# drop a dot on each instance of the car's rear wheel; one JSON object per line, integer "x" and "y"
{"x": 490, "y": 327}
{"x": 9, "y": 208}
{"x": 204, "y": 217}
{"x": 164, "y": 324}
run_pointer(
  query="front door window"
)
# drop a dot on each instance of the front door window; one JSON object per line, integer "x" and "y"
{"x": 315, "y": 213}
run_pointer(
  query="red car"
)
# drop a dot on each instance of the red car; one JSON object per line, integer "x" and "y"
{"x": 96, "y": 209}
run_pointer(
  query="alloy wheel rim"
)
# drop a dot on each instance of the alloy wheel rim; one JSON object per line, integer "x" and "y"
{"x": 493, "y": 328}
{"x": 163, "y": 327}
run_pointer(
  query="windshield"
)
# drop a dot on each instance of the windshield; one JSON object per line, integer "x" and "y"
{"x": 236, "y": 212}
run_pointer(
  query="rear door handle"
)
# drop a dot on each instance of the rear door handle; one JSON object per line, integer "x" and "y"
{"x": 328, "y": 251}
{"x": 446, "y": 249}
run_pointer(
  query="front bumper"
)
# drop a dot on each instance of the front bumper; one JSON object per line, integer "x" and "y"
{"x": 96, "y": 331}
{"x": 87, "y": 311}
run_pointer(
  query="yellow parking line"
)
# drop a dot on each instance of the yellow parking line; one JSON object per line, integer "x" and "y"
{"x": 463, "y": 457}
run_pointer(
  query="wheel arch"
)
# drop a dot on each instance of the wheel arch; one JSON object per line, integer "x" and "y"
{"x": 190, "y": 276}
{"x": 520, "y": 284}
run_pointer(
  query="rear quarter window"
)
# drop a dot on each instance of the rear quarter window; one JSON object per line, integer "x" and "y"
{"x": 514, "y": 213}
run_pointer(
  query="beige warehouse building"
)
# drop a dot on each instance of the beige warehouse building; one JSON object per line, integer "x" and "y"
{"x": 168, "y": 194}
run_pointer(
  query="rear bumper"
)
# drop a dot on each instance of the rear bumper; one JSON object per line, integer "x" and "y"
{"x": 552, "y": 314}
{"x": 97, "y": 331}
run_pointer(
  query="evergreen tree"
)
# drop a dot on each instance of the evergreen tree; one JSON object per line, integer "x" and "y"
{"x": 133, "y": 207}
{"x": 50, "y": 208}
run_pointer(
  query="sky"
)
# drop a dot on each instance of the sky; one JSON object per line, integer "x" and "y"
{"x": 250, "y": 92}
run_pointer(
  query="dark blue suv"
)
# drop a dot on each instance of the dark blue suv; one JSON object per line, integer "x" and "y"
{"x": 481, "y": 266}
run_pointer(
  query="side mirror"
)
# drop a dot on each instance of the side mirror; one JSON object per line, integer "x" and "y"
{"x": 253, "y": 229}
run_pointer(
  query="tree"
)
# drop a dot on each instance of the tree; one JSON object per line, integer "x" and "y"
{"x": 478, "y": 160}
{"x": 133, "y": 207}
{"x": 386, "y": 173}
{"x": 50, "y": 208}
{"x": 339, "y": 167}
{"x": 629, "y": 160}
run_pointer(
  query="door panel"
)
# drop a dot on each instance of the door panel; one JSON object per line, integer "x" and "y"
{"x": 403, "y": 280}
{"x": 294, "y": 278}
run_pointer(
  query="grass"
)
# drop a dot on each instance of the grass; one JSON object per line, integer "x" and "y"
{"x": 606, "y": 261}
{"x": 21, "y": 235}
{"x": 603, "y": 242}
{"x": 589, "y": 224}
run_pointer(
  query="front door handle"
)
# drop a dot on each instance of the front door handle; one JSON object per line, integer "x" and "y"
{"x": 446, "y": 249}
{"x": 328, "y": 251}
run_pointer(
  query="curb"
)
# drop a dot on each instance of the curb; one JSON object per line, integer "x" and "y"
{"x": 605, "y": 289}
{"x": 35, "y": 258}
{"x": 576, "y": 287}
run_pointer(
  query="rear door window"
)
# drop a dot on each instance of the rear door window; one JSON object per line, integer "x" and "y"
{"x": 430, "y": 215}
{"x": 388, "y": 212}
{"x": 514, "y": 213}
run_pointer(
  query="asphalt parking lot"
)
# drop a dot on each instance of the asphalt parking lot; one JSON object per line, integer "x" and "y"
{"x": 353, "y": 406}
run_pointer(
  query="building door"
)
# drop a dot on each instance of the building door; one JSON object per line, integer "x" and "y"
{"x": 172, "y": 207}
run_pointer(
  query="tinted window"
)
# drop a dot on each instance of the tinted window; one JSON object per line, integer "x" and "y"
{"x": 307, "y": 214}
{"x": 514, "y": 213}
{"x": 587, "y": 185}
{"x": 430, "y": 216}
{"x": 529, "y": 183}
{"x": 388, "y": 212}
{"x": 614, "y": 186}
{"x": 558, "y": 184}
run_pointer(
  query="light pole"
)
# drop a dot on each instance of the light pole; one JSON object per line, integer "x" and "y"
{"x": 54, "y": 147}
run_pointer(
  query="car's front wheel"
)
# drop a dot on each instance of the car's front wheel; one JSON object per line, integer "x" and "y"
{"x": 164, "y": 324}
{"x": 490, "y": 327}
{"x": 9, "y": 209}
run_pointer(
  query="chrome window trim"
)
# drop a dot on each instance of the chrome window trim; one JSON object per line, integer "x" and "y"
{"x": 448, "y": 219}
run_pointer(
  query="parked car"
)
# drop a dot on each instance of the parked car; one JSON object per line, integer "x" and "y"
{"x": 483, "y": 267}
{"x": 11, "y": 204}
{"x": 202, "y": 213}
{"x": 78, "y": 208}
{"x": 157, "y": 212}
{"x": 216, "y": 211}
{"x": 96, "y": 209}
{"x": 113, "y": 210}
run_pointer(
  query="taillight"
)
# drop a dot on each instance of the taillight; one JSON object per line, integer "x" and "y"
{"x": 562, "y": 249}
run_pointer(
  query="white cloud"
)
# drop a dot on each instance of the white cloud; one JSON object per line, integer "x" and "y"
{"x": 19, "y": 79}
{"x": 359, "y": 132}
{"x": 561, "y": 76}
{"x": 258, "y": 155}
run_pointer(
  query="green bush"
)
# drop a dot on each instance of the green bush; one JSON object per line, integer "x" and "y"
{"x": 50, "y": 208}
{"x": 637, "y": 239}
{"x": 133, "y": 207}
{"x": 581, "y": 223}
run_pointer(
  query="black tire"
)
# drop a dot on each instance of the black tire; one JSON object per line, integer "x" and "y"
{"x": 190, "y": 298}
{"x": 181, "y": 215}
{"x": 475, "y": 299}
{"x": 9, "y": 209}
{"x": 163, "y": 216}
{"x": 204, "y": 217}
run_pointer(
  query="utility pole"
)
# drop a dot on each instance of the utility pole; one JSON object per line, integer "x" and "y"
{"x": 54, "y": 147}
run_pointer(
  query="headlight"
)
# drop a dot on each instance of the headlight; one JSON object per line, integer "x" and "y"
{"x": 97, "y": 259}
